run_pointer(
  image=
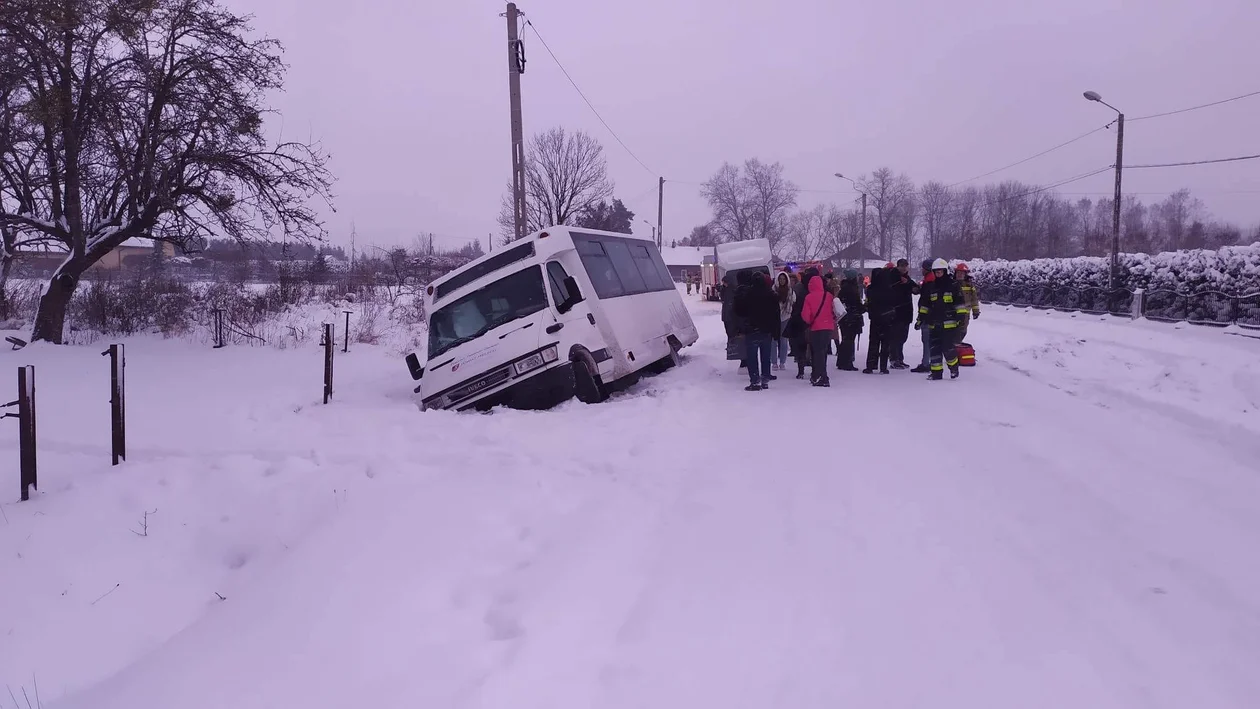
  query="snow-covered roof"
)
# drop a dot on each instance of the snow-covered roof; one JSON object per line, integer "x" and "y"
{"x": 685, "y": 255}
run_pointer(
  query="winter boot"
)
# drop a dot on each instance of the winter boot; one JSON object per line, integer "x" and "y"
{"x": 953, "y": 372}
{"x": 921, "y": 369}
{"x": 936, "y": 376}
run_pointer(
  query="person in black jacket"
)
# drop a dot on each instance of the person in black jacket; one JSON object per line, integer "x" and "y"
{"x": 797, "y": 332}
{"x": 882, "y": 310}
{"x": 851, "y": 324}
{"x": 904, "y": 289}
{"x": 734, "y": 324}
{"x": 758, "y": 308}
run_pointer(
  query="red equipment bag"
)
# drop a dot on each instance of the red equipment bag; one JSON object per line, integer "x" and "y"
{"x": 966, "y": 355}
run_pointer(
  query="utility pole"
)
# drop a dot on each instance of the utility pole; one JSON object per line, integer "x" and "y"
{"x": 862, "y": 246}
{"x": 516, "y": 67}
{"x": 660, "y": 208}
{"x": 1114, "y": 279}
{"x": 1115, "y": 216}
{"x": 353, "y": 234}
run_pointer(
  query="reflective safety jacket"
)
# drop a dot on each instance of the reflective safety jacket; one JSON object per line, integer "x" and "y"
{"x": 941, "y": 303}
{"x": 971, "y": 295}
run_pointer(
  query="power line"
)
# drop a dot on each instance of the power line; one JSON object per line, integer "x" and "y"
{"x": 652, "y": 172}
{"x": 1195, "y": 108}
{"x": 1196, "y": 162}
{"x": 1034, "y": 157}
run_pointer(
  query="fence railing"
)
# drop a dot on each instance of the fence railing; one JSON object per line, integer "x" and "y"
{"x": 1208, "y": 307}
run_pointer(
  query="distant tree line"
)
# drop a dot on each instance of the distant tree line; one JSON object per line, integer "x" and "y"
{"x": 1007, "y": 220}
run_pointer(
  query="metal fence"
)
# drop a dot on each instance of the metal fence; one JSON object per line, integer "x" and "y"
{"x": 1207, "y": 307}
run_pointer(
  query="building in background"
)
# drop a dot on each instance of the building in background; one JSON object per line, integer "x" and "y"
{"x": 131, "y": 255}
{"x": 685, "y": 260}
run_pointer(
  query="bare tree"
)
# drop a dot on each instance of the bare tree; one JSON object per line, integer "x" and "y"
{"x": 566, "y": 176}
{"x": 887, "y": 193}
{"x": 730, "y": 197}
{"x": 813, "y": 233}
{"x": 935, "y": 203}
{"x": 143, "y": 120}
{"x": 773, "y": 198}
{"x": 754, "y": 203}
{"x": 908, "y": 224}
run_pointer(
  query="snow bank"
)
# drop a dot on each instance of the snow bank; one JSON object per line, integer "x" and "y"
{"x": 1073, "y": 527}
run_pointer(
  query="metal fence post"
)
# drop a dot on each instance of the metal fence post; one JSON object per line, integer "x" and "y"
{"x": 25, "y": 404}
{"x": 117, "y": 402}
{"x": 218, "y": 329}
{"x": 329, "y": 347}
{"x": 346, "y": 336}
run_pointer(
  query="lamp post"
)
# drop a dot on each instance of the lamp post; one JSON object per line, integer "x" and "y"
{"x": 862, "y": 243}
{"x": 650, "y": 224}
{"x": 1115, "y": 216}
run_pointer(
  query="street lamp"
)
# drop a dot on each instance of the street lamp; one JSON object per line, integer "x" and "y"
{"x": 1115, "y": 216}
{"x": 653, "y": 229}
{"x": 862, "y": 244}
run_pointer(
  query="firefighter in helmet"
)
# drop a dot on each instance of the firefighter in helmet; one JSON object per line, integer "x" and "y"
{"x": 971, "y": 297}
{"x": 942, "y": 309}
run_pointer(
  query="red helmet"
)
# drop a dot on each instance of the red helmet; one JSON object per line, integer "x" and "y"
{"x": 961, "y": 267}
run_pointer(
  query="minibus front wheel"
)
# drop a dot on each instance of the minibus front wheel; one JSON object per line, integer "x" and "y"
{"x": 586, "y": 379}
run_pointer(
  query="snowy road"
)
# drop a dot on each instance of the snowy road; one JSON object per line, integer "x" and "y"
{"x": 1023, "y": 537}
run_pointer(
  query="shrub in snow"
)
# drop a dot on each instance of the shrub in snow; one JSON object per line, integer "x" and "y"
{"x": 1232, "y": 270}
{"x": 126, "y": 307}
{"x": 1200, "y": 285}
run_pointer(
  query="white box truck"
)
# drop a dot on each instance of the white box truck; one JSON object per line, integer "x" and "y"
{"x": 733, "y": 258}
{"x": 563, "y": 312}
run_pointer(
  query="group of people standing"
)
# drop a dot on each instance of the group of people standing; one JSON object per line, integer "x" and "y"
{"x": 802, "y": 315}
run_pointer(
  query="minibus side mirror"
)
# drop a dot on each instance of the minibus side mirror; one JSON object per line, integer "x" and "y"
{"x": 573, "y": 295}
{"x": 413, "y": 364}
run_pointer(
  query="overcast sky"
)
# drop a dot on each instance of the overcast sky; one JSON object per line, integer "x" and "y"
{"x": 410, "y": 98}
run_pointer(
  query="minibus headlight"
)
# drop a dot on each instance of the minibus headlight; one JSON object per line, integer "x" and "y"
{"x": 534, "y": 361}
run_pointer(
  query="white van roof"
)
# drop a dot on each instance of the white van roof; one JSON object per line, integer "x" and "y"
{"x": 744, "y": 254}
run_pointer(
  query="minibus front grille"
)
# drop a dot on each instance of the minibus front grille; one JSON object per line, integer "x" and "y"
{"x": 479, "y": 385}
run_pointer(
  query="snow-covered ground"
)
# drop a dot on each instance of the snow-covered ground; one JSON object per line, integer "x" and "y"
{"x": 1071, "y": 524}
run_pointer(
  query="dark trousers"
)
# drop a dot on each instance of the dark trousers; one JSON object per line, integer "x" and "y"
{"x": 757, "y": 354}
{"x": 878, "y": 345}
{"x": 800, "y": 348}
{"x": 848, "y": 346}
{"x": 820, "y": 347}
{"x": 900, "y": 333}
{"x": 925, "y": 334}
{"x": 942, "y": 352}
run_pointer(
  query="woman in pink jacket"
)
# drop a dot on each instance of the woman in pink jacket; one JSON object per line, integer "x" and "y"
{"x": 821, "y": 321}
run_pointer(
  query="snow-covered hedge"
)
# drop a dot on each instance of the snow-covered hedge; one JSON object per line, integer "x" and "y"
{"x": 1201, "y": 286}
{"x": 1233, "y": 269}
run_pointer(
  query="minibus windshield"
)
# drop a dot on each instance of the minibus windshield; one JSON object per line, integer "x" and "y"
{"x": 473, "y": 315}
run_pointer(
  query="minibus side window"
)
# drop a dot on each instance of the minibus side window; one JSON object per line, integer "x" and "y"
{"x": 555, "y": 281}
